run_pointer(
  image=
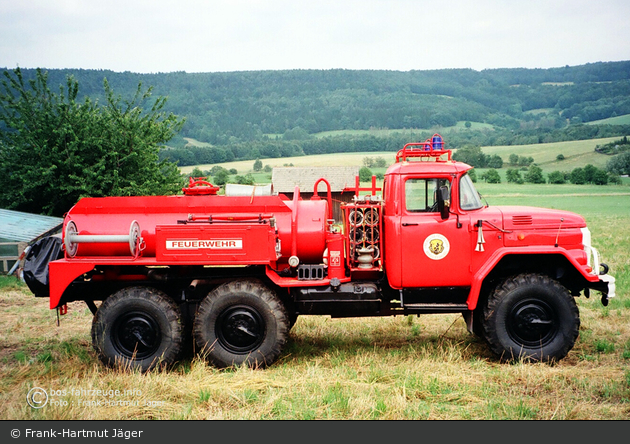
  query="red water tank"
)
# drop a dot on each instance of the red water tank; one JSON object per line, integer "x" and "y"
{"x": 103, "y": 226}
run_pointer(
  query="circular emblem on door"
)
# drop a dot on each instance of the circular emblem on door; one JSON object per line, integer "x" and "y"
{"x": 436, "y": 246}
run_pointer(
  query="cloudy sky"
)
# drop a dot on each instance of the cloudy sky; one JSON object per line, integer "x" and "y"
{"x": 149, "y": 36}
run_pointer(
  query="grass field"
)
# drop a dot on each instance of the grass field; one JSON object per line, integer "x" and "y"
{"x": 323, "y": 160}
{"x": 618, "y": 120}
{"x": 380, "y": 132}
{"x": 426, "y": 367}
{"x": 576, "y": 154}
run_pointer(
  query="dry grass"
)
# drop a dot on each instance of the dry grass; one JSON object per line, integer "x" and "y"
{"x": 426, "y": 367}
{"x": 372, "y": 368}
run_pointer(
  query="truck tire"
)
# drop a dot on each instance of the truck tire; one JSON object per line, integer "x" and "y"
{"x": 241, "y": 322}
{"x": 531, "y": 317}
{"x": 138, "y": 328}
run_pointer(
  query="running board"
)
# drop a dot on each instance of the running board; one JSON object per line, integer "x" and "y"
{"x": 435, "y": 308}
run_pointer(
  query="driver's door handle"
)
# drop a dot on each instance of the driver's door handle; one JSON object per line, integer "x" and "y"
{"x": 409, "y": 224}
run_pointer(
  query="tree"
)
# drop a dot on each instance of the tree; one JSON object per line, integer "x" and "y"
{"x": 556, "y": 177}
{"x": 620, "y": 164}
{"x": 55, "y": 150}
{"x": 513, "y": 159}
{"x": 196, "y": 172}
{"x": 215, "y": 170}
{"x": 258, "y": 165}
{"x": 513, "y": 176}
{"x": 248, "y": 180}
{"x": 365, "y": 174}
{"x": 614, "y": 179}
{"x": 600, "y": 177}
{"x": 577, "y": 176}
{"x": 525, "y": 161}
{"x": 380, "y": 162}
{"x": 534, "y": 174}
{"x": 491, "y": 176}
{"x": 221, "y": 177}
{"x": 589, "y": 173}
{"x": 245, "y": 180}
{"x": 495, "y": 161}
{"x": 296, "y": 134}
{"x": 472, "y": 155}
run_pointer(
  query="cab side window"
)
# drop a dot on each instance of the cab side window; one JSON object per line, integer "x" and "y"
{"x": 421, "y": 194}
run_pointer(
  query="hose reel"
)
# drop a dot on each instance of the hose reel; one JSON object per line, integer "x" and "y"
{"x": 72, "y": 238}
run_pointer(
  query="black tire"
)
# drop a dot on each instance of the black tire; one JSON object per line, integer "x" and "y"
{"x": 138, "y": 328}
{"x": 241, "y": 322}
{"x": 531, "y": 317}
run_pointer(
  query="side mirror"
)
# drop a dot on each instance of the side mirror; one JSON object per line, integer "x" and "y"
{"x": 444, "y": 202}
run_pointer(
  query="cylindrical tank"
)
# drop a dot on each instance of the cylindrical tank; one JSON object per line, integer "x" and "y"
{"x": 112, "y": 216}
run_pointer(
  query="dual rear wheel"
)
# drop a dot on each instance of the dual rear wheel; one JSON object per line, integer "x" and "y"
{"x": 240, "y": 322}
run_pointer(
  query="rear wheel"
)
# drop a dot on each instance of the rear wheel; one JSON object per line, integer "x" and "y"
{"x": 241, "y": 322}
{"x": 139, "y": 328}
{"x": 531, "y": 317}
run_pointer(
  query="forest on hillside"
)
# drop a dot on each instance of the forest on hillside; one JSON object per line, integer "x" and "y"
{"x": 258, "y": 114}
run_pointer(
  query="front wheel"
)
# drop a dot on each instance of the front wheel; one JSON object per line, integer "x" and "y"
{"x": 241, "y": 322}
{"x": 531, "y": 317}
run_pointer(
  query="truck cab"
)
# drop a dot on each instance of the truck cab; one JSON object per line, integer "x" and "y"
{"x": 420, "y": 212}
{"x": 511, "y": 271}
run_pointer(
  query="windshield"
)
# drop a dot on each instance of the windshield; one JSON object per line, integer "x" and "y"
{"x": 468, "y": 196}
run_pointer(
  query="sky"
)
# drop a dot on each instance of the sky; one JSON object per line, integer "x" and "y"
{"x": 153, "y": 36}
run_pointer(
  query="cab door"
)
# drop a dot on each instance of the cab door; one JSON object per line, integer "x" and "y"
{"x": 435, "y": 252}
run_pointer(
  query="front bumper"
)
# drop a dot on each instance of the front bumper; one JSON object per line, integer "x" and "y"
{"x": 606, "y": 285}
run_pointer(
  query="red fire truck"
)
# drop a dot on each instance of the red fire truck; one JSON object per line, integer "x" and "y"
{"x": 231, "y": 274}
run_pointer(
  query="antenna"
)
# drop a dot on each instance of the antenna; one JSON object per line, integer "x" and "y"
{"x": 558, "y": 234}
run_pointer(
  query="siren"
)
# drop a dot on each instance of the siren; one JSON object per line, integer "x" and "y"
{"x": 480, "y": 239}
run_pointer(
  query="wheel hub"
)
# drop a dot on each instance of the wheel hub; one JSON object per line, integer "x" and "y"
{"x": 136, "y": 335}
{"x": 240, "y": 329}
{"x": 533, "y": 323}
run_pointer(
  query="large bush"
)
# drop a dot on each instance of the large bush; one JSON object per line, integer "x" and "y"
{"x": 55, "y": 149}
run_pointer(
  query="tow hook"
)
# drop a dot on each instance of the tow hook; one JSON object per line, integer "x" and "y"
{"x": 604, "y": 269}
